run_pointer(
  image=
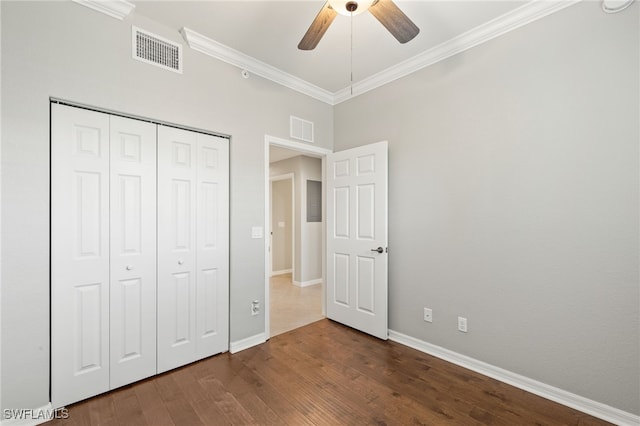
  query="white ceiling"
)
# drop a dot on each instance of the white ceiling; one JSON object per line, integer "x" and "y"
{"x": 269, "y": 31}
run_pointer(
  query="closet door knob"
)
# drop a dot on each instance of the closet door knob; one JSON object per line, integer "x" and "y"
{"x": 129, "y": 267}
{"x": 180, "y": 262}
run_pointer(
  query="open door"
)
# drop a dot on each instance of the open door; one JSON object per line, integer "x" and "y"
{"x": 357, "y": 238}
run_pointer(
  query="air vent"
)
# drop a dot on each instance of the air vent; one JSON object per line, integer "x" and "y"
{"x": 155, "y": 50}
{"x": 301, "y": 129}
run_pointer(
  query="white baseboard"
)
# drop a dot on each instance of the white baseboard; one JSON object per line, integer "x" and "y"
{"x": 588, "y": 406}
{"x": 281, "y": 272}
{"x": 249, "y": 342}
{"x": 307, "y": 283}
{"x": 32, "y": 416}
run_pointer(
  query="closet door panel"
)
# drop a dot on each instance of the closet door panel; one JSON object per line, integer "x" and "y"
{"x": 133, "y": 250}
{"x": 177, "y": 183}
{"x": 212, "y": 246}
{"x": 79, "y": 254}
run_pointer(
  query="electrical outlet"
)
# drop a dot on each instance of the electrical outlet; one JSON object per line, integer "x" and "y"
{"x": 462, "y": 324}
{"x": 428, "y": 315}
{"x": 255, "y": 307}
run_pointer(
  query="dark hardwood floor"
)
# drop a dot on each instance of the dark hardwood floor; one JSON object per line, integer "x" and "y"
{"x": 322, "y": 374}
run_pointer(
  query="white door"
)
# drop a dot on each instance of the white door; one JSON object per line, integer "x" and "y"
{"x": 79, "y": 254}
{"x": 192, "y": 246}
{"x": 357, "y": 238}
{"x": 176, "y": 247}
{"x": 212, "y": 246}
{"x": 133, "y": 251}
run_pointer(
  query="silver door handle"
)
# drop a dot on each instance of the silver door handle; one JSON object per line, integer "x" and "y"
{"x": 129, "y": 267}
{"x": 379, "y": 250}
{"x": 180, "y": 262}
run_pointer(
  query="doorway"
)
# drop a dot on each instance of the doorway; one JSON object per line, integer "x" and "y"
{"x": 283, "y": 216}
{"x": 294, "y": 251}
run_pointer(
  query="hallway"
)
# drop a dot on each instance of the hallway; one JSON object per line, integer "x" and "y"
{"x": 292, "y": 306}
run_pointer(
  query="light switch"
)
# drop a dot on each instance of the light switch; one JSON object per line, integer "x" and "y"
{"x": 280, "y": 224}
{"x": 256, "y": 232}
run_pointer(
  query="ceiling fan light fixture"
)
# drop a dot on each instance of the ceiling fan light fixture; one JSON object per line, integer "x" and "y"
{"x": 385, "y": 11}
{"x": 343, "y": 6}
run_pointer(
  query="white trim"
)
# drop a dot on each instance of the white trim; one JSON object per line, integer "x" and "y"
{"x": 523, "y": 15}
{"x": 118, "y": 9}
{"x": 501, "y": 25}
{"x": 303, "y": 148}
{"x": 307, "y": 283}
{"x": 231, "y": 56}
{"x": 249, "y": 342}
{"x": 588, "y": 406}
{"x": 33, "y": 416}
{"x": 281, "y": 272}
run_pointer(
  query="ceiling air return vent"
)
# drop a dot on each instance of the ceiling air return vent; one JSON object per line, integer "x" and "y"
{"x": 301, "y": 129}
{"x": 155, "y": 50}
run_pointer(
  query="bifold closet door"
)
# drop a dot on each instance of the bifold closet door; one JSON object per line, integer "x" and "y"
{"x": 79, "y": 254}
{"x": 103, "y": 252}
{"x": 193, "y": 254}
{"x": 133, "y": 251}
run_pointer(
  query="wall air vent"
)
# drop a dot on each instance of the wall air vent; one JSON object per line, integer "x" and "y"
{"x": 155, "y": 50}
{"x": 301, "y": 129}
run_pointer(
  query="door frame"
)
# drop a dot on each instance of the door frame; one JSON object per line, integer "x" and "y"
{"x": 291, "y": 177}
{"x": 304, "y": 149}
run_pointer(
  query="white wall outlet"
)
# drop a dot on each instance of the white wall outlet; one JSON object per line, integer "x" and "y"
{"x": 255, "y": 307}
{"x": 462, "y": 324}
{"x": 428, "y": 315}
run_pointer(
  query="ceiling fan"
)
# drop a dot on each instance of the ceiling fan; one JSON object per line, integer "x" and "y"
{"x": 385, "y": 11}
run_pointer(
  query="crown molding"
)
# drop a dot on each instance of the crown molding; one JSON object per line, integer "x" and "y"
{"x": 523, "y": 15}
{"x": 118, "y": 9}
{"x": 503, "y": 24}
{"x": 231, "y": 56}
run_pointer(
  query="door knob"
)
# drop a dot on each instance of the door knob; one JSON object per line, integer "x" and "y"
{"x": 129, "y": 267}
{"x": 180, "y": 262}
{"x": 379, "y": 250}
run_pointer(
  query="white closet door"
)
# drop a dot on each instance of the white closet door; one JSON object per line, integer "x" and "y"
{"x": 212, "y": 282}
{"x": 177, "y": 182}
{"x": 193, "y": 246}
{"x": 133, "y": 250}
{"x": 79, "y": 254}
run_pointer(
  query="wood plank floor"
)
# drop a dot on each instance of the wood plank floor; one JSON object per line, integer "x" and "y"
{"x": 322, "y": 374}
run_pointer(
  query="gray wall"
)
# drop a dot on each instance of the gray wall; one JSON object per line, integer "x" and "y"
{"x": 65, "y": 50}
{"x": 281, "y": 238}
{"x": 308, "y": 235}
{"x": 514, "y": 200}
{"x": 513, "y": 185}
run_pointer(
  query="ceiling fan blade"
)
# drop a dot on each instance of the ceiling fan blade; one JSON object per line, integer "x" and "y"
{"x": 318, "y": 27}
{"x": 394, "y": 20}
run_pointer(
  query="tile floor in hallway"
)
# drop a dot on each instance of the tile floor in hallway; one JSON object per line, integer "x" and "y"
{"x": 291, "y": 306}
